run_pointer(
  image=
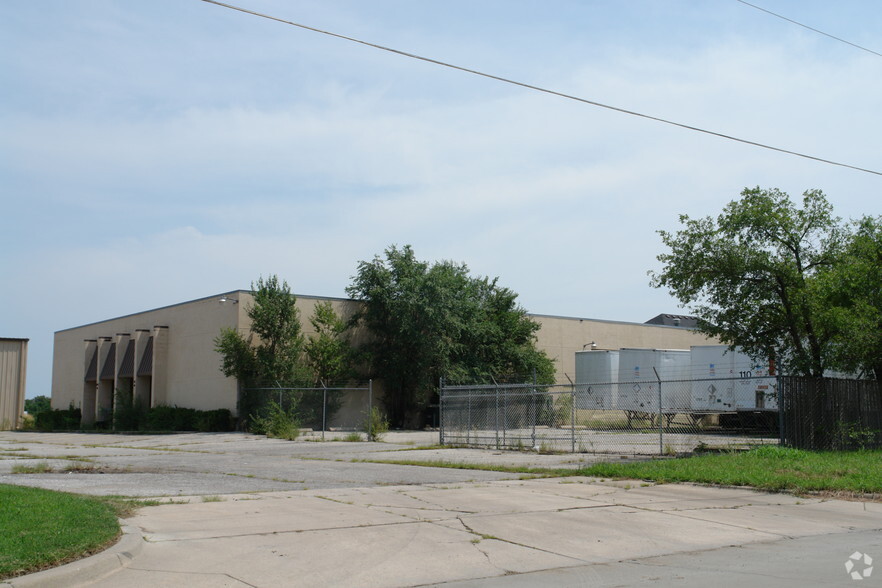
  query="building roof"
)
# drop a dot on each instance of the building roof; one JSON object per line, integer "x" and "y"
{"x": 674, "y": 320}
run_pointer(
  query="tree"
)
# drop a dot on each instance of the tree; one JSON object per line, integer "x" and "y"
{"x": 748, "y": 275}
{"x": 329, "y": 358}
{"x": 434, "y": 320}
{"x": 272, "y": 352}
{"x": 37, "y": 404}
{"x": 850, "y": 294}
{"x": 328, "y": 352}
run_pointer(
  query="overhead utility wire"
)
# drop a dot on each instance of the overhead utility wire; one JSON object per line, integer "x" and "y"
{"x": 809, "y": 28}
{"x": 544, "y": 90}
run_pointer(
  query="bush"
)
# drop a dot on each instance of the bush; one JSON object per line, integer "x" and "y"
{"x": 210, "y": 421}
{"x": 277, "y": 422}
{"x": 59, "y": 420}
{"x": 375, "y": 425}
{"x": 563, "y": 410}
{"x": 128, "y": 414}
{"x": 171, "y": 418}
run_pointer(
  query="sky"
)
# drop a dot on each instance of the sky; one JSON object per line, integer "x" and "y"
{"x": 157, "y": 152}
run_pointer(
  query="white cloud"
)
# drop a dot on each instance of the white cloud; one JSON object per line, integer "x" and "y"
{"x": 167, "y": 168}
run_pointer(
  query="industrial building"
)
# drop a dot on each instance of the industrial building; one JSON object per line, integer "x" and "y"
{"x": 13, "y": 372}
{"x": 166, "y": 356}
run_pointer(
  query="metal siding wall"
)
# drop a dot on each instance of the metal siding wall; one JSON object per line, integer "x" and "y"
{"x": 12, "y": 362}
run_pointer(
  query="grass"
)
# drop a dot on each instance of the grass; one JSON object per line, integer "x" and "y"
{"x": 42, "y": 528}
{"x": 771, "y": 468}
{"x": 767, "y": 468}
{"x": 40, "y": 467}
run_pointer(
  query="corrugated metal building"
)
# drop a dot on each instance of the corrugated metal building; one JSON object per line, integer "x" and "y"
{"x": 13, "y": 368}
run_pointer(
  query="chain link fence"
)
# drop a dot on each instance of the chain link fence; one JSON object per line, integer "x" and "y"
{"x": 325, "y": 408}
{"x": 640, "y": 417}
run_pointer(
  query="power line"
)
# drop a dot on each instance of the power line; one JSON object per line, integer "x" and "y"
{"x": 544, "y": 90}
{"x": 810, "y": 28}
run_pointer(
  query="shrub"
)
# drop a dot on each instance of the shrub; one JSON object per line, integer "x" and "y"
{"x": 563, "y": 410}
{"x": 59, "y": 420}
{"x": 129, "y": 414}
{"x": 277, "y": 422}
{"x": 171, "y": 418}
{"x": 375, "y": 425}
{"x": 220, "y": 420}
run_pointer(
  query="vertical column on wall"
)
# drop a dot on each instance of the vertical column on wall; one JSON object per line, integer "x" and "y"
{"x": 90, "y": 382}
{"x": 160, "y": 365}
{"x": 143, "y": 375}
{"x": 123, "y": 383}
{"x": 106, "y": 377}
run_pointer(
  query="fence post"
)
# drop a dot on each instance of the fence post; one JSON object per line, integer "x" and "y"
{"x": 370, "y": 397}
{"x": 324, "y": 409}
{"x": 496, "y": 415}
{"x": 533, "y": 407}
{"x": 441, "y": 410}
{"x": 661, "y": 426}
{"x": 780, "y": 410}
{"x": 468, "y": 416}
{"x": 504, "y": 417}
{"x": 573, "y": 415}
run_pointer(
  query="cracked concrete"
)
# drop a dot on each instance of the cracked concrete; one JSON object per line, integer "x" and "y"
{"x": 377, "y": 537}
{"x": 448, "y": 527}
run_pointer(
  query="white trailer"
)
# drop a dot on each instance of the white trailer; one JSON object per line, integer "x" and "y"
{"x": 639, "y": 373}
{"x": 729, "y": 380}
{"x": 597, "y": 372}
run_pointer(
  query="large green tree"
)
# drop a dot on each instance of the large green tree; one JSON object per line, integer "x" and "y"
{"x": 271, "y": 353}
{"x": 850, "y": 301}
{"x": 749, "y": 275}
{"x": 433, "y": 320}
{"x": 328, "y": 353}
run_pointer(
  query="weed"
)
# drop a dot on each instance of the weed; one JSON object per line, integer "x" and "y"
{"x": 375, "y": 425}
{"x": 278, "y": 422}
{"x": 41, "y": 467}
{"x": 353, "y": 437}
{"x": 212, "y": 498}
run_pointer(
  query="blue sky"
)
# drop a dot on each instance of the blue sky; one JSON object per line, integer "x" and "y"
{"x": 157, "y": 152}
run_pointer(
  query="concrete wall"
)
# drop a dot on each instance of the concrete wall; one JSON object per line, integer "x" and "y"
{"x": 562, "y": 337}
{"x": 13, "y": 371}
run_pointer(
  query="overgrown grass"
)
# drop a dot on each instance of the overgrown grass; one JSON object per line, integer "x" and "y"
{"x": 767, "y": 468}
{"x": 42, "y": 528}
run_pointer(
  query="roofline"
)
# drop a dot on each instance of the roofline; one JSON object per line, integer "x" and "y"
{"x": 577, "y": 318}
{"x": 216, "y": 296}
{"x": 338, "y": 299}
{"x": 14, "y": 339}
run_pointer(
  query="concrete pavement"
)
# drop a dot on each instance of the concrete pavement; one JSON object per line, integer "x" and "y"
{"x": 479, "y": 532}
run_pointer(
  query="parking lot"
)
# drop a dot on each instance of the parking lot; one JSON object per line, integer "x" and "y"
{"x": 243, "y": 510}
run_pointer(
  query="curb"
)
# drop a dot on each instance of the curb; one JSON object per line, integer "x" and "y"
{"x": 89, "y": 569}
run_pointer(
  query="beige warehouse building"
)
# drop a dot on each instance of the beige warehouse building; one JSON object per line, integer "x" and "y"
{"x": 166, "y": 356}
{"x": 13, "y": 372}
